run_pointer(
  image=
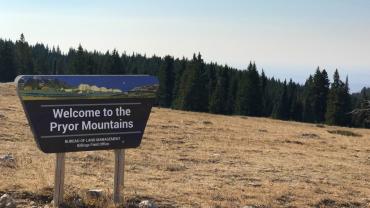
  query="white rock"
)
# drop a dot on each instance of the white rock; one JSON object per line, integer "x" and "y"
{"x": 147, "y": 204}
{"x": 95, "y": 193}
{"x": 10, "y": 204}
{"x": 7, "y": 160}
{"x": 78, "y": 202}
{"x": 7, "y": 157}
{"x": 7, "y": 202}
{"x": 3, "y": 199}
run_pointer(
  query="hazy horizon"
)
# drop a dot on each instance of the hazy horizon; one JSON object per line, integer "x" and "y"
{"x": 288, "y": 39}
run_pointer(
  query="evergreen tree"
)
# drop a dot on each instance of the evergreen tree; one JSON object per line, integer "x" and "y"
{"x": 212, "y": 83}
{"x": 41, "y": 59}
{"x": 217, "y": 102}
{"x": 361, "y": 114}
{"x": 308, "y": 109}
{"x": 80, "y": 61}
{"x": 295, "y": 106}
{"x": 166, "y": 82}
{"x": 116, "y": 66}
{"x": 291, "y": 96}
{"x": 272, "y": 96}
{"x": 8, "y": 69}
{"x": 337, "y": 110}
{"x": 194, "y": 93}
{"x": 296, "y": 110}
{"x": 232, "y": 95}
{"x": 250, "y": 92}
{"x": 265, "y": 97}
{"x": 181, "y": 66}
{"x": 320, "y": 93}
{"x": 23, "y": 56}
{"x": 282, "y": 109}
{"x": 346, "y": 104}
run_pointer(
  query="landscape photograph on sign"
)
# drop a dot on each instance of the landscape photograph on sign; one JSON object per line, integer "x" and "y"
{"x": 89, "y": 87}
{"x": 182, "y": 104}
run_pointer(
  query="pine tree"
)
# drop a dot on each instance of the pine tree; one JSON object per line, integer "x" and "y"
{"x": 308, "y": 109}
{"x": 217, "y": 102}
{"x": 338, "y": 103}
{"x": 232, "y": 94}
{"x": 8, "y": 69}
{"x": 250, "y": 101}
{"x": 361, "y": 114}
{"x": 291, "y": 97}
{"x": 294, "y": 103}
{"x": 106, "y": 63}
{"x": 265, "y": 97}
{"x": 346, "y": 104}
{"x": 194, "y": 93}
{"x": 181, "y": 66}
{"x": 23, "y": 56}
{"x": 283, "y": 108}
{"x": 320, "y": 93}
{"x": 166, "y": 82}
{"x": 78, "y": 59}
{"x": 296, "y": 110}
{"x": 116, "y": 67}
{"x": 212, "y": 83}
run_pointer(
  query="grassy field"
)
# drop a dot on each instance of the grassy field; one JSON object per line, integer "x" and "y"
{"x": 200, "y": 160}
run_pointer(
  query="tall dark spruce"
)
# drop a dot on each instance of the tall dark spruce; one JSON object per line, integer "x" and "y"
{"x": 166, "y": 78}
{"x": 338, "y": 111}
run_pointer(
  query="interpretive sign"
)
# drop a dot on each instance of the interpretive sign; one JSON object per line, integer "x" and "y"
{"x": 82, "y": 113}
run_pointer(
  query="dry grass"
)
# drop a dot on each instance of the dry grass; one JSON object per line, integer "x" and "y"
{"x": 201, "y": 160}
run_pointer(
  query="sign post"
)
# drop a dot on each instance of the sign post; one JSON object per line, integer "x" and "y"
{"x": 59, "y": 179}
{"x": 119, "y": 171}
{"x": 84, "y": 113}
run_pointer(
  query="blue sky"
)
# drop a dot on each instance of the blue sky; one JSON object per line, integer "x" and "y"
{"x": 287, "y": 38}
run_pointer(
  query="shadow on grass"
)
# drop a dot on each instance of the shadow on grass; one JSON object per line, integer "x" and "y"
{"x": 345, "y": 133}
{"x": 73, "y": 200}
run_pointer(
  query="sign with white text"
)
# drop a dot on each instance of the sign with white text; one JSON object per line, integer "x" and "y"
{"x": 82, "y": 113}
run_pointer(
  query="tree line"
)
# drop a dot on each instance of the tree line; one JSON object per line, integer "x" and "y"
{"x": 193, "y": 85}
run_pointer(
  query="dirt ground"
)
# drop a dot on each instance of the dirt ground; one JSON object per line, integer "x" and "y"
{"x": 199, "y": 160}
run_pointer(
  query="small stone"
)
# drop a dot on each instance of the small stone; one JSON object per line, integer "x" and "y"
{"x": 3, "y": 199}
{"x": 78, "y": 202}
{"x": 46, "y": 206}
{"x": 32, "y": 203}
{"x": 7, "y": 157}
{"x": 10, "y": 204}
{"x": 94, "y": 193}
{"x": 147, "y": 204}
{"x": 7, "y": 202}
{"x": 7, "y": 160}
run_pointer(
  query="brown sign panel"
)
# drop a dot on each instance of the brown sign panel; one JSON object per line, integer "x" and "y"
{"x": 82, "y": 113}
